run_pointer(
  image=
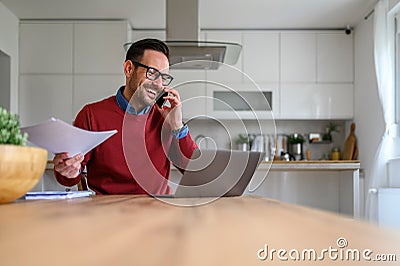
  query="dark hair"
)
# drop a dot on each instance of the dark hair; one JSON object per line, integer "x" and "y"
{"x": 136, "y": 51}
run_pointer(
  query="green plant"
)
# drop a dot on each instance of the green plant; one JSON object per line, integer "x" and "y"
{"x": 296, "y": 139}
{"x": 9, "y": 129}
{"x": 243, "y": 138}
{"x": 330, "y": 128}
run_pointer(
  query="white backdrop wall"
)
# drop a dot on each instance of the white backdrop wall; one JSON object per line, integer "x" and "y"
{"x": 9, "y": 32}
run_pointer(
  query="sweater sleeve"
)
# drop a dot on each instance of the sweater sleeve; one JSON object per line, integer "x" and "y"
{"x": 181, "y": 151}
{"x": 82, "y": 120}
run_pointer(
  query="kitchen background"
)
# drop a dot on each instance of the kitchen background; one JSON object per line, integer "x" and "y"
{"x": 309, "y": 75}
{"x": 58, "y": 65}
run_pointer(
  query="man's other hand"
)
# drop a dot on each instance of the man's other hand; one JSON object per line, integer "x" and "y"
{"x": 68, "y": 167}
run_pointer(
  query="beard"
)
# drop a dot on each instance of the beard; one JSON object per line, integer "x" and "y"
{"x": 140, "y": 90}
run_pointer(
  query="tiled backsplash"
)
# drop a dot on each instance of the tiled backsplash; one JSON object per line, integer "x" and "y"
{"x": 224, "y": 133}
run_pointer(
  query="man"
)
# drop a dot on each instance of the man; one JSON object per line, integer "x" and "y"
{"x": 137, "y": 159}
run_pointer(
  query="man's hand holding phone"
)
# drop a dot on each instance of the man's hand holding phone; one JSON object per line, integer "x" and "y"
{"x": 172, "y": 113}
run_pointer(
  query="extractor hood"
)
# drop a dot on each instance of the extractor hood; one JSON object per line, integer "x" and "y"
{"x": 186, "y": 49}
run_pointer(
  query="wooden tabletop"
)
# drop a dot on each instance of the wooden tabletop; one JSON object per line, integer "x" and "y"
{"x": 140, "y": 230}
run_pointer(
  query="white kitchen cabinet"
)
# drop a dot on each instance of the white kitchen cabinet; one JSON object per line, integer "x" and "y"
{"x": 298, "y": 57}
{"x": 317, "y": 101}
{"x": 45, "y": 48}
{"x": 65, "y": 65}
{"x": 335, "y": 61}
{"x": 333, "y": 187}
{"x": 241, "y": 101}
{"x": 261, "y": 56}
{"x": 226, "y": 73}
{"x": 192, "y": 91}
{"x": 136, "y": 35}
{"x": 98, "y": 47}
{"x": 142, "y": 34}
{"x": 45, "y": 96}
{"x": 92, "y": 88}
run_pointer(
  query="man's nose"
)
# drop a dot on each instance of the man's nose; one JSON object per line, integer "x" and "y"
{"x": 158, "y": 82}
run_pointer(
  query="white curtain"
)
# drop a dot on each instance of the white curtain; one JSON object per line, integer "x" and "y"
{"x": 384, "y": 66}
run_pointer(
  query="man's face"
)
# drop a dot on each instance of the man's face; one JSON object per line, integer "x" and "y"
{"x": 145, "y": 90}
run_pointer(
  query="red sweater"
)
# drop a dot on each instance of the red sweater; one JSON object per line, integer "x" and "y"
{"x": 134, "y": 160}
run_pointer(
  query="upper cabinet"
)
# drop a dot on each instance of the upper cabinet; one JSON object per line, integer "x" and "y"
{"x": 192, "y": 91}
{"x": 281, "y": 74}
{"x": 46, "y": 48}
{"x": 261, "y": 56}
{"x": 298, "y": 57}
{"x": 65, "y": 65}
{"x": 225, "y": 73}
{"x": 335, "y": 58}
{"x": 316, "y": 75}
{"x": 98, "y": 47}
{"x": 136, "y": 35}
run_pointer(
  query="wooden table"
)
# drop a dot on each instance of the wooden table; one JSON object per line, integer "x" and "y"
{"x": 139, "y": 230}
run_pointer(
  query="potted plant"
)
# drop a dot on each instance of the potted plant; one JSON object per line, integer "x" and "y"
{"x": 296, "y": 146}
{"x": 243, "y": 142}
{"x": 21, "y": 167}
{"x": 296, "y": 139}
{"x": 330, "y": 128}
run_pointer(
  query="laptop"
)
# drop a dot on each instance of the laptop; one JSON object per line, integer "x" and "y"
{"x": 217, "y": 173}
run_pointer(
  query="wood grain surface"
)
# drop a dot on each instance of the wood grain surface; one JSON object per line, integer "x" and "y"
{"x": 140, "y": 230}
{"x": 350, "y": 144}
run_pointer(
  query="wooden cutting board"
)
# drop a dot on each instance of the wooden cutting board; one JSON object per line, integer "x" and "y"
{"x": 355, "y": 154}
{"x": 350, "y": 144}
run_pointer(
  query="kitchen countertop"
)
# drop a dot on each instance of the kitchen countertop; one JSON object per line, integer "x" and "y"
{"x": 312, "y": 165}
{"x": 140, "y": 230}
{"x": 306, "y": 165}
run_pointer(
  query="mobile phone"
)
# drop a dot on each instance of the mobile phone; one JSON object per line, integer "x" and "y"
{"x": 160, "y": 98}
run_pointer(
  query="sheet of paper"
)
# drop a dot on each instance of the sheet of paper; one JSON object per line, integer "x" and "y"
{"x": 56, "y": 136}
{"x": 57, "y": 194}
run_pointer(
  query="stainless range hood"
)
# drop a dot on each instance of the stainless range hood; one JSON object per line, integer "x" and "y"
{"x": 186, "y": 50}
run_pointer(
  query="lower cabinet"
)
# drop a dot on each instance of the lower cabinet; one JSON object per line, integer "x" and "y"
{"x": 330, "y": 190}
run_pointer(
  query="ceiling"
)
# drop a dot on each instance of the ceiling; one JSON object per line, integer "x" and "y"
{"x": 221, "y": 14}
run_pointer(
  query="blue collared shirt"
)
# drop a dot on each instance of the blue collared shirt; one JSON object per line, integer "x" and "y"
{"x": 127, "y": 107}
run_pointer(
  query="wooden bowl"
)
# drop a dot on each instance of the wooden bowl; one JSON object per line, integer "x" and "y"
{"x": 20, "y": 169}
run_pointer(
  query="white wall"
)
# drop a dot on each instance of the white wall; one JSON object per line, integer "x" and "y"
{"x": 392, "y": 3}
{"x": 9, "y": 28}
{"x": 368, "y": 112}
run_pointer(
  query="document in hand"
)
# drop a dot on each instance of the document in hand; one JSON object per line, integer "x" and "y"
{"x": 57, "y": 136}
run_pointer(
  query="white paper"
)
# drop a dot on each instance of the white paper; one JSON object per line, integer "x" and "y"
{"x": 56, "y": 136}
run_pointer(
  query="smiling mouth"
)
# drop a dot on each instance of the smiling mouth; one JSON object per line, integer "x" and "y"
{"x": 151, "y": 93}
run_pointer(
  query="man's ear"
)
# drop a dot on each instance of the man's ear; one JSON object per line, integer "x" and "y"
{"x": 128, "y": 68}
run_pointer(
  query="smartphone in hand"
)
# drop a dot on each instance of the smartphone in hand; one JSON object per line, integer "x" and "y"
{"x": 160, "y": 98}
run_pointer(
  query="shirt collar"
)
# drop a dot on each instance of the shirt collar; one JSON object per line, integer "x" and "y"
{"x": 126, "y": 106}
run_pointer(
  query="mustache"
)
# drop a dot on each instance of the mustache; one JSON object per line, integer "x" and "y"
{"x": 151, "y": 86}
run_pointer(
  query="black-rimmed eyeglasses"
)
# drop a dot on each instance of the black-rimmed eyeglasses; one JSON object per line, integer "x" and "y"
{"x": 153, "y": 74}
